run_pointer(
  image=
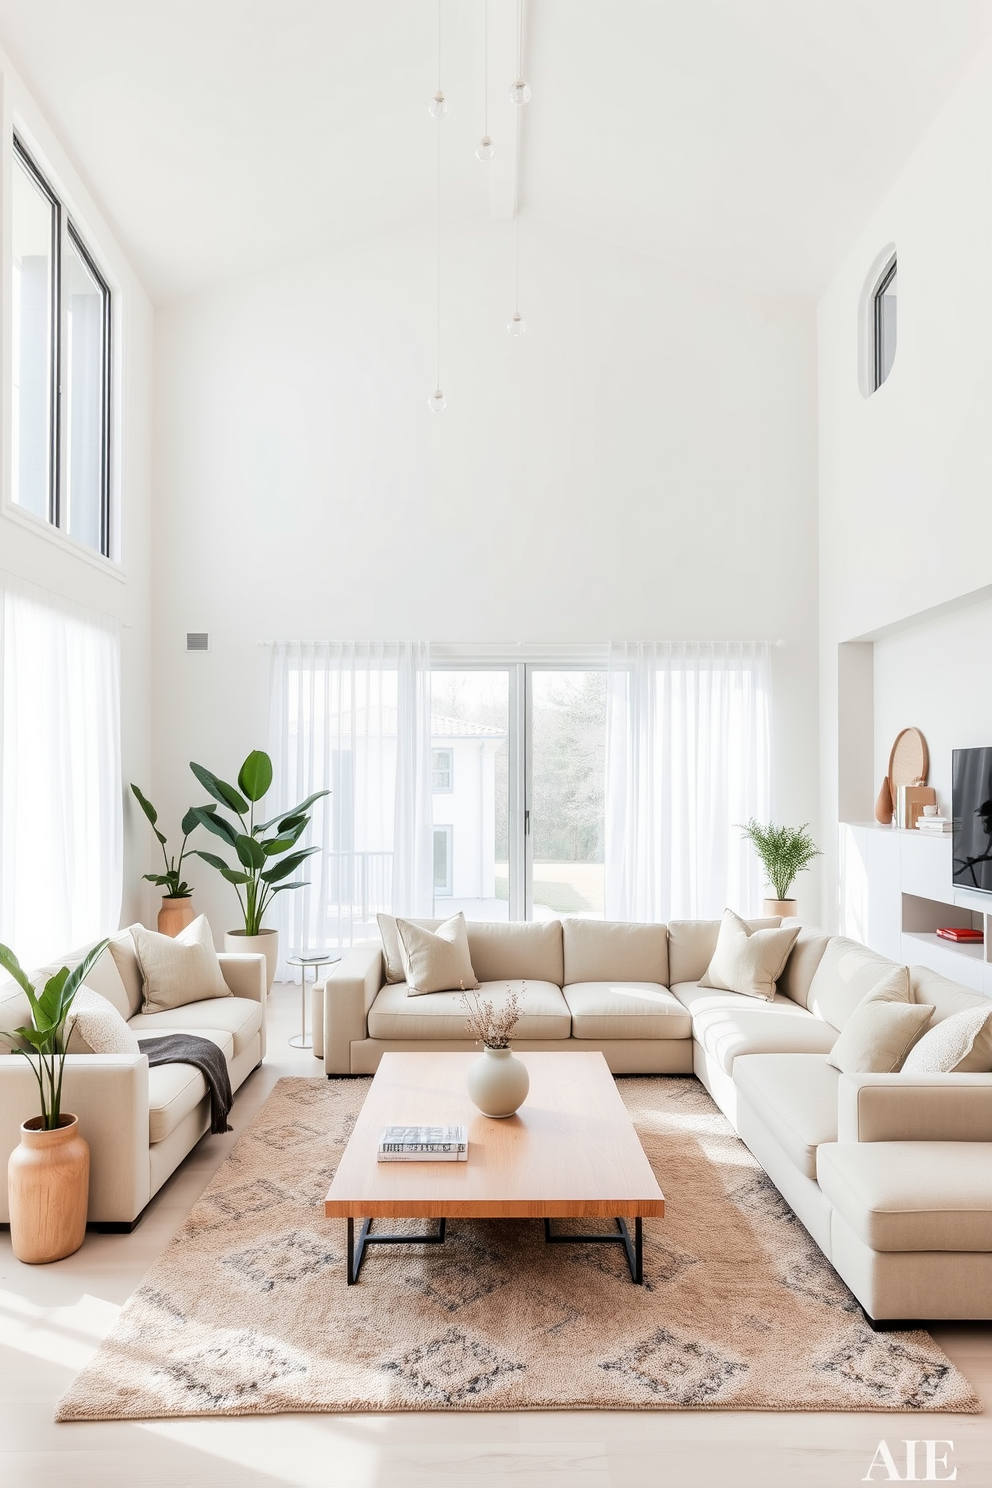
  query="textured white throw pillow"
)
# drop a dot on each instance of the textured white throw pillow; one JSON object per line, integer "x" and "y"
{"x": 96, "y": 1027}
{"x": 748, "y": 961}
{"x": 436, "y": 960}
{"x": 962, "y": 1043}
{"x": 878, "y": 1036}
{"x": 176, "y": 971}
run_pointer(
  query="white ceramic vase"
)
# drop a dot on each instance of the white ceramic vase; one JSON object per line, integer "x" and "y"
{"x": 497, "y": 1082}
{"x": 785, "y": 907}
{"x": 265, "y": 943}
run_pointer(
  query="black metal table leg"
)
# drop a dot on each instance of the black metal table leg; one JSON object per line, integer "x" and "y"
{"x": 634, "y": 1249}
{"x": 356, "y": 1254}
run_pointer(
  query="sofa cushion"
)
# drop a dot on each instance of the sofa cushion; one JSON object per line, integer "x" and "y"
{"x": 946, "y": 996}
{"x": 176, "y": 1089}
{"x": 392, "y": 955}
{"x": 795, "y": 1097}
{"x": 238, "y": 1017}
{"x": 601, "y": 950}
{"x": 442, "y": 1015}
{"x": 691, "y": 944}
{"x": 624, "y": 1010}
{"x": 748, "y": 961}
{"x": 899, "y": 1196}
{"x": 125, "y": 958}
{"x": 804, "y": 958}
{"x": 960, "y": 1044}
{"x": 96, "y": 1027}
{"x": 105, "y": 978}
{"x": 176, "y": 970}
{"x": 846, "y": 974}
{"x": 518, "y": 951}
{"x": 878, "y": 1036}
{"x": 436, "y": 960}
{"x": 727, "y": 1025}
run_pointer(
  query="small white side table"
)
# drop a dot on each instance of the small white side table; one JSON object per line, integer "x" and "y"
{"x": 316, "y": 959}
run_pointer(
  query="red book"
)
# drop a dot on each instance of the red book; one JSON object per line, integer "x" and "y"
{"x": 960, "y": 933}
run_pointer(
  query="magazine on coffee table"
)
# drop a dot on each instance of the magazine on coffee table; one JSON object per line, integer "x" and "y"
{"x": 423, "y": 1144}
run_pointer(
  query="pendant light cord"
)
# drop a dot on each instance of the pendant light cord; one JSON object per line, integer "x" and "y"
{"x": 439, "y": 46}
{"x": 438, "y": 383}
{"x": 520, "y": 6}
{"x": 485, "y": 55}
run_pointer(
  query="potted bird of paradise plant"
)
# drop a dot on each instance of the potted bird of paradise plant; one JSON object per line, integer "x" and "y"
{"x": 177, "y": 900}
{"x": 48, "y": 1174}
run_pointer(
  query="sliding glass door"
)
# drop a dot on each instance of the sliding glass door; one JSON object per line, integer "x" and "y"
{"x": 517, "y": 757}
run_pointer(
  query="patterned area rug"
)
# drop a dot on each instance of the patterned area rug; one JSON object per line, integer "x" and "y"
{"x": 247, "y": 1310}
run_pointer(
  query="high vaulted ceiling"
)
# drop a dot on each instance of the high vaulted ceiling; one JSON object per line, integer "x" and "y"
{"x": 750, "y": 138}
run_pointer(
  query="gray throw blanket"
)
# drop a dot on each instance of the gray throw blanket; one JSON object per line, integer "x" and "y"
{"x": 186, "y": 1048}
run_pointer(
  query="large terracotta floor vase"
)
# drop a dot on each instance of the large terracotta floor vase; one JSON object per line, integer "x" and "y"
{"x": 48, "y": 1178}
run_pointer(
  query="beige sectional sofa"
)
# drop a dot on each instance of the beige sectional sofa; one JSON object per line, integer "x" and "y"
{"x": 891, "y": 1174}
{"x": 140, "y": 1123}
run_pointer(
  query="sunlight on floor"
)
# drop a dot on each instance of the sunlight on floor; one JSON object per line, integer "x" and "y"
{"x": 60, "y": 1335}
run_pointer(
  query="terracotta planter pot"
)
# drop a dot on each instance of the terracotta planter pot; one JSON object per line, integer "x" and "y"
{"x": 48, "y": 1183}
{"x": 175, "y": 914}
{"x": 266, "y": 944}
{"x": 784, "y": 907}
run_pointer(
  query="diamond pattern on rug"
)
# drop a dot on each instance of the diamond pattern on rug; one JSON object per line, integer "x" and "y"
{"x": 890, "y": 1370}
{"x": 247, "y": 1310}
{"x": 677, "y": 1370}
{"x": 453, "y": 1369}
{"x": 283, "y": 1260}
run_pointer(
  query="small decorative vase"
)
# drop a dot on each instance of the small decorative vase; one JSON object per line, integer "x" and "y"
{"x": 265, "y": 943}
{"x": 497, "y": 1082}
{"x": 784, "y": 907}
{"x": 48, "y": 1184}
{"x": 175, "y": 914}
{"x": 883, "y": 806}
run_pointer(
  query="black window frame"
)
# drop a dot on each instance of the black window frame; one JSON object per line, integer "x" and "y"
{"x": 63, "y": 228}
{"x": 888, "y": 275}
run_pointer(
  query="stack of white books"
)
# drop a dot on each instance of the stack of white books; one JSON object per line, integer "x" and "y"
{"x": 423, "y": 1144}
{"x": 938, "y": 825}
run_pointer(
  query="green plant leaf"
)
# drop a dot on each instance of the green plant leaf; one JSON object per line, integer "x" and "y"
{"x": 209, "y": 857}
{"x": 219, "y": 825}
{"x": 149, "y": 811}
{"x": 288, "y": 865}
{"x": 189, "y": 821}
{"x": 277, "y": 845}
{"x": 219, "y": 789}
{"x": 79, "y": 973}
{"x": 249, "y": 851}
{"x": 10, "y": 964}
{"x": 286, "y": 817}
{"x": 300, "y": 883}
{"x": 255, "y": 775}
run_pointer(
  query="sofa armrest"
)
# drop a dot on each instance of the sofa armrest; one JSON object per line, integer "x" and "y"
{"x": 346, "y": 996}
{"x": 109, "y": 1094}
{"x": 914, "y": 1108}
{"x": 244, "y": 973}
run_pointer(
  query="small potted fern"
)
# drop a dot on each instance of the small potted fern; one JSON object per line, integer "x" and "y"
{"x": 784, "y": 852}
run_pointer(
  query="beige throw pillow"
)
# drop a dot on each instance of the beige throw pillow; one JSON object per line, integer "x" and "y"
{"x": 748, "y": 961}
{"x": 178, "y": 971}
{"x": 878, "y": 1036}
{"x": 96, "y": 1027}
{"x": 961, "y": 1044}
{"x": 436, "y": 960}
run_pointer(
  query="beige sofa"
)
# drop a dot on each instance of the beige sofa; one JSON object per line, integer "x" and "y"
{"x": 891, "y": 1174}
{"x": 140, "y": 1123}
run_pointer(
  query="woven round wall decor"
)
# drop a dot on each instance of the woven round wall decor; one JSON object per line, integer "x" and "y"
{"x": 909, "y": 762}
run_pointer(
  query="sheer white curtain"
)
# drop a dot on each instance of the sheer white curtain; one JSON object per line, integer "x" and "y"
{"x": 687, "y": 760}
{"x": 61, "y": 816}
{"x": 354, "y": 718}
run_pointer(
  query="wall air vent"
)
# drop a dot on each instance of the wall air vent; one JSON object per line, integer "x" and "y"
{"x": 197, "y": 640}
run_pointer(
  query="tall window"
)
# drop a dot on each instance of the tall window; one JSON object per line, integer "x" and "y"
{"x": 60, "y": 386}
{"x": 884, "y": 322}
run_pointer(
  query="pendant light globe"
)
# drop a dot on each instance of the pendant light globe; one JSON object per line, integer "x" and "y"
{"x": 520, "y": 92}
{"x": 436, "y": 401}
{"x": 516, "y": 325}
{"x": 438, "y": 106}
{"x": 485, "y": 149}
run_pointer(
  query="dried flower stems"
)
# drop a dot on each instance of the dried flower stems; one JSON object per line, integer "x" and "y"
{"x": 489, "y": 1024}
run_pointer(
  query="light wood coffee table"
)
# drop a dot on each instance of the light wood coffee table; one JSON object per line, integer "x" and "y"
{"x": 571, "y": 1150}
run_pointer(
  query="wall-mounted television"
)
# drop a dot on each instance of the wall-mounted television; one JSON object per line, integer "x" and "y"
{"x": 971, "y": 808}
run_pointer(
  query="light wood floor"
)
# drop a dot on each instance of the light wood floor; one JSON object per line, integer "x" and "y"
{"x": 51, "y": 1318}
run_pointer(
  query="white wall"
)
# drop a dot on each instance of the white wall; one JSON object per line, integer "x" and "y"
{"x": 32, "y": 550}
{"x": 640, "y": 464}
{"x": 905, "y": 475}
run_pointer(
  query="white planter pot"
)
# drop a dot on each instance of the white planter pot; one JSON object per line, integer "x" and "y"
{"x": 498, "y": 1083}
{"x": 266, "y": 944}
{"x": 785, "y": 907}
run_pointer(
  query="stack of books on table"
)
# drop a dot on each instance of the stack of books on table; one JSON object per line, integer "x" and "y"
{"x": 937, "y": 825}
{"x": 423, "y": 1144}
